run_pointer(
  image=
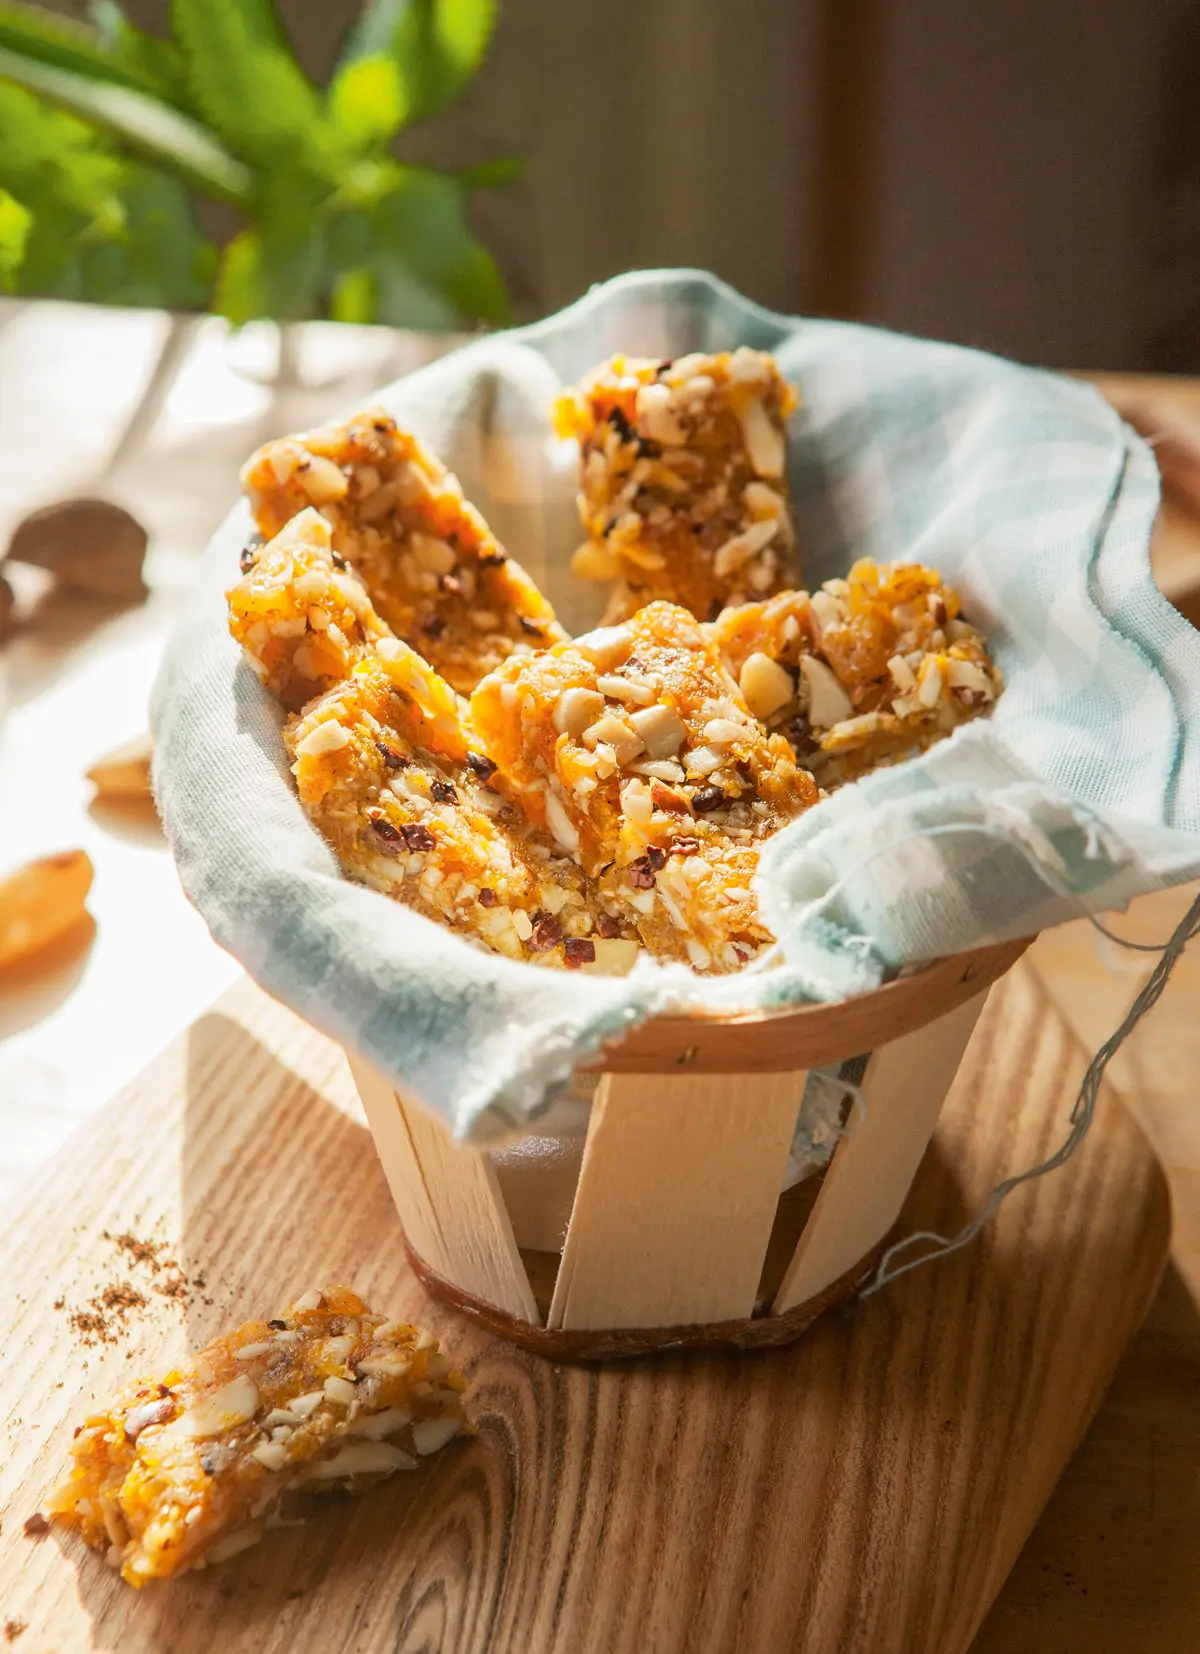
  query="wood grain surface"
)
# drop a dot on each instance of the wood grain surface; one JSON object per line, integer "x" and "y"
{"x": 864, "y": 1491}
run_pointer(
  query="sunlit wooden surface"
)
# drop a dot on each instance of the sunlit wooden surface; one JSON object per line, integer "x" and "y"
{"x": 158, "y": 415}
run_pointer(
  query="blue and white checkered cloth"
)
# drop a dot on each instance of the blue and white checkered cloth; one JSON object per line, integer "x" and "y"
{"x": 1082, "y": 791}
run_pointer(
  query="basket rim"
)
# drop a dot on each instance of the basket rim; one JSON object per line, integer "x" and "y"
{"x": 809, "y": 1035}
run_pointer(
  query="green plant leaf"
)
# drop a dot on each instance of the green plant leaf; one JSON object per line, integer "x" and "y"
{"x": 146, "y": 125}
{"x": 437, "y": 46}
{"x": 16, "y": 222}
{"x": 51, "y": 160}
{"x": 249, "y": 88}
{"x": 159, "y": 258}
{"x": 274, "y": 270}
{"x": 238, "y": 294}
{"x": 156, "y": 64}
{"x": 492, "y": 175}
{"x": 366, "y": 101}
{"x": 293, "y": 260}
{"x": 421, "y": 233}
{"x": 353, "y": 297}
{"x": 62, "y": 43}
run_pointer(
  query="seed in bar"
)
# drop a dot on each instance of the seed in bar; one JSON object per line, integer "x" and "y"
{"x": 175, "y": 1474}
{"x": 439, "y": 832}
{"x": 637, "y": 751}
{"x": 684, "y": 483}
{"x": 302, "y": 621}
{"x": 865, "y": 672}
{"x": 432, "y": 567}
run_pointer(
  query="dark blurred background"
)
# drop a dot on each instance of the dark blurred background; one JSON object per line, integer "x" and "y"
{"x": 1018, "y": 174}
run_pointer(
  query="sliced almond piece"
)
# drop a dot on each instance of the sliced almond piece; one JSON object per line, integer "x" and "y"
{"x": 378, "y": 1425}
{"x": 614, "y": 732}
{"x": 606, "y": 647}
{"x": 576, "y": 709}
{"x": 615, "y": 956}
{"x": 220, "y": 1410}
{"x": 964, "y": 674}
{"x": 430, "y": 1434}
{"x": 764, "y": 443}
{"x": 327, "y": 736}
{"x": 765, "y": 685}
{"x": 742, "y": 547}
{"x": 362, "y": 1458}
{"x": 661, "y": 729}
{"x": 828, "y": 702}
{"x": 560, "y": 823}
{"x": 322, "y": 480}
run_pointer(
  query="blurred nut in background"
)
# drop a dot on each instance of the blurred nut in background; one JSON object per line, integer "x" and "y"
{"x": 41, "y": 901}
{"x": 89, "y": 545}
{"x": 123, "y": 775}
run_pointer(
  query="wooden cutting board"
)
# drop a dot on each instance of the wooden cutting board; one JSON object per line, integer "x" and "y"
{"x": 862, "y": 1492}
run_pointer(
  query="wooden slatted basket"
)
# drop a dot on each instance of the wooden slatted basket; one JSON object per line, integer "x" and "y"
{"x": 665, "y": 1226}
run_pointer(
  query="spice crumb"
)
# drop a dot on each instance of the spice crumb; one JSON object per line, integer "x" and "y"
{"x": 36, "y": 1525}
{"x": 139, "y": 1251}
{"x": 13, "y": 1629}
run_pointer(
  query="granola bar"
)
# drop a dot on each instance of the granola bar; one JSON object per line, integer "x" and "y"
{"x": 175, "y": 1474}
{"x": 302, "y": 620}
{"x": 392, "y": 776}
{"x": 432, "y": 567}
{"x": 637, "y": 751}
{"x": 865, "y": 672}
{"x": 432, "y": 829}
{"x": 684, "y": 488}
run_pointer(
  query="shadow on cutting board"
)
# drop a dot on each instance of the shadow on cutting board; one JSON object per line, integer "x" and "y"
{"x": 860, "y": 1492}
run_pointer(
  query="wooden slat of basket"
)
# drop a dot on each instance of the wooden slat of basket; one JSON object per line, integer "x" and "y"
{"x": 677, "y": 1194}
{"x": 808, "y": 1036}
{"x": 448, "y": 1195}
{"x": 873, "y": 1167}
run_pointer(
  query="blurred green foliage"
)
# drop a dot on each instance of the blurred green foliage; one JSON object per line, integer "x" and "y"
{"x": 108, "y": 134}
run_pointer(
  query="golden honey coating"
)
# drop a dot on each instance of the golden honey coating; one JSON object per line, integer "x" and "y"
{"x": 612, "y": 793}
{"x": 390, "y": 773}
{"x": 431, "y": 566}
{"x": 175, "y": 1473}
{"x": 637, "y": 752}
{"x": 302, "y": 621}
{"x": 439, "y": 832}
{"x": 864, "y": 672}
{"x": 684, "y": 493}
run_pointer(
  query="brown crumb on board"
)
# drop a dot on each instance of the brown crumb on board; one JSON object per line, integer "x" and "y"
{"x": 140, "y": 1251}
{"x": 106, "y": 1315}
{"x": 36, "y": 1525}
{"x": 13, "y": 1629}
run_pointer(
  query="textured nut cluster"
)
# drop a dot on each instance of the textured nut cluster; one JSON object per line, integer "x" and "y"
{"x": 432, "y": 568}
{"x": 683, "y": 479}
{"x": 173, "y": 1474}
{"x": 865, "y": 671}
{"x": 610, "y": 794}
{"x": 637, "y": 751}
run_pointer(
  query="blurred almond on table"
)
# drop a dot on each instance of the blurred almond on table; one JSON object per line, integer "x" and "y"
{"x": 7, "y": 604}
{"x": 41, "y": 901}
{"x": 124, "y": 773}
{"x": 90, "y": 545}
